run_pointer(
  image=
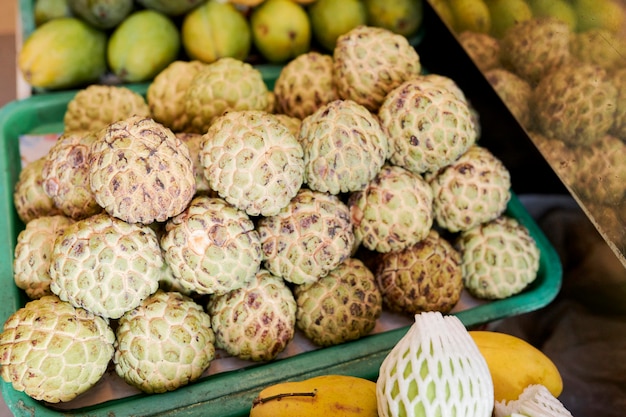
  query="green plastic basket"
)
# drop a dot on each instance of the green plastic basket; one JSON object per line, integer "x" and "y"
{"x": 228, "y": 393}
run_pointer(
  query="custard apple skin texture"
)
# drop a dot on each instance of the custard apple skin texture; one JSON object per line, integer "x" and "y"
{"x": 499, "y": 258}
{"x": 308, "y": 238}
{"x": 533, "y": 48}
{"x": 426, "y": 276}
{"x": 29, "y": 197}
{"x": 429, "y": 127}
{"x": 223, "y": 85}
{"x": 393, "y": 211}
{"x": 194, "y": 144}
{"x": 140, "y": 172}
{"x": 483, "y": 48}
{"x": 344, "y": 147}
{"x": 369, "y": 62}
{"x": 166, "y": 94}
{"x": 305, "y": 84}
{"x": 66, "y": 175}
{"x": 97, "y": 106}
{"x": 164, "y": 344}
{"x": 253, "y": 161}
{"x": 212, "y": 247}
{"x": 342, "y": 306}
{"x": 45, "y": 346}
{"x": 472, "y": 190}
{"x": 255, "y": 322}
{"x": 105, "y": 265}
{"x": 575, "y": 103}
{"x": 31, "y": 261}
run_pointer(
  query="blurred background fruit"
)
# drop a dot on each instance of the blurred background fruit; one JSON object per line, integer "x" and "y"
{"x": 45, "y": 10}
{"x": 214, "y": 30}
{"x": 331, "y": 18}
{"x": 102, "y": 14}
{"x": 142, "y": 45}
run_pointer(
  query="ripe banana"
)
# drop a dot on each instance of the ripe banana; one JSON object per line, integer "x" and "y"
{"x": 515, "y": 364}
{"x": 327, "y": 396}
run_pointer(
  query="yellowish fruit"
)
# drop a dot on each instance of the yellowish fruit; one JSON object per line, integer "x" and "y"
{"x": 515, "y": 364}
{"x": 606, "y": 14}
{"x": 322, "y": 396}
{"x": 471, "y": 15}
{"x": 506, "y": 13}
{"x": 62, "y": 53}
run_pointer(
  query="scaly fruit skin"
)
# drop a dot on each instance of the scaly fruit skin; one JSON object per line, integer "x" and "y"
{"x": 534, "y": 47}
{"x": 342, "y": 306}
{"x": 66, "y": 175}
{"x": 435, "y": 369}
{"x": 97, "y": 106}
{"x": 253, "y": 161}
{"x": 29, "y": 197}
{"x": 308, "y": 238}
{"x": 514, "y": 91}
{"x": 227, "y": 84}
{"x": 499, "y": 258}
{"x": 472, "y": 190}
{"x": 166, "y": 94}
{"x": 63, "y": 53}
{"x": 514, "y": 364}
{"x": 45, "y": 346}
{"x": 326, "y": 395}
{"x": 257, "y": 321}
{"x": 31, "y": 262}
{"x": 344, "y": 146}
{"x": 215, "y": 30}
{"x": 393, "y": 211}
{"x": 101, "y": 14}
{"x": 426, "y": 276}
{"x": 281, "y": 30}
{"x": 140, "y": 172}
{"x": 194, "y": 144}
{"x": 600, "y": 47}
{"x": 483, "y": 48}
{"x": 429, "y": 127}
{"x": 619, "y": 126}
{"x": 105, "y": 265}
{"x": 163, "y": 344}
{"x": 369, "y": 62}
{"x": 212, "y": 247}
{"x": 575, "y": 104}
{"x": 142, "y": 46}
{"x": 305, "y": 84}
{"x": 564, "y": 157}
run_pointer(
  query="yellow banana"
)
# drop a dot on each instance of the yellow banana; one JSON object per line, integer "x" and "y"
{"x": 327, "y": 396}
{"x": 515, "y": 364}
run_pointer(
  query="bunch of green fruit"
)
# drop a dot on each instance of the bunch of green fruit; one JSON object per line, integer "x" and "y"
{"x": 215, "y": 213}
{"x": 79, "y": 42}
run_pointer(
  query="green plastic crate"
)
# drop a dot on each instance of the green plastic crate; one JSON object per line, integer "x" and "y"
{"x": 228, "y": 393}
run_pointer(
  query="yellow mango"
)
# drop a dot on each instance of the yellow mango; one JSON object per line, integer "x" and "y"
{"x": 327, "y": 396}
{"x": 515, "y": 364}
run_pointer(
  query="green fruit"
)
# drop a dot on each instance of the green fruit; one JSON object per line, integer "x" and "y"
{"x": 46, "y": 10}
{"x": 506, "y": 13}
{"x": 471, "y": 15}
{"x": 216, "y": 30}
{"x": 561, "y": 9}
{"x": 443, "y": 9}
{"x": 401, "y": 16}
{"x": 102, "y": 14}
{"x": 169, "y": 7}
{"x": 280, "y": 30}
{"x": 63, "y": 53}
{"x": 331, "y": 18}
{"x": 143, "y": 45}
{"x": 606, "y": 14}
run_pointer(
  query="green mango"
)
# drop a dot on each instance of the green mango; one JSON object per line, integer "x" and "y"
{"x": 171, "y": 7}
{"x": 142, "y": 46}
{"x": 332, "y": 18}
{"x": 45, "y": 10}
{"x": 63, "y": 53}
{"x": 102, "y": 14}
